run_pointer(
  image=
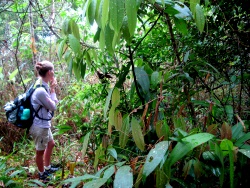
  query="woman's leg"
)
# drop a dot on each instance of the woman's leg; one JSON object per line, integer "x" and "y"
{"x": 39, "y": 160}
{"x": 48, "y": 152}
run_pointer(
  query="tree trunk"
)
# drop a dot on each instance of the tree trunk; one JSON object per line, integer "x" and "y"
{"x": 32, "y": 36}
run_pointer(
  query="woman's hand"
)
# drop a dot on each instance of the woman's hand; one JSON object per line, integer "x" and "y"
{"x": 53, "y": 84}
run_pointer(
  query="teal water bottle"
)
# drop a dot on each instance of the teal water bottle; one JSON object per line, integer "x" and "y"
{"x": 26, "y": 114}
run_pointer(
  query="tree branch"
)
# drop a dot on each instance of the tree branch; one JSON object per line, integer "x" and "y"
{"x": 138, "y": 44}
{"x": 133, "y": 70}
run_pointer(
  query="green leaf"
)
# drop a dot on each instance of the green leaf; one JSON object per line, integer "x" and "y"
{"x": 125, "y": 30}
{"x": 13, "y": 174}
{"x": 124, "y": 134}
{"x": 142, "y": 79}
{"x": 162, "y": 129}
{"x": 79, "y": 178}
{"x": 102, "y": 39}
{"x": 77, "y": 70}
{"x": 131, "y": 11}
{"x": 183, "y": 11}
{"x": 112, "y": 152}
{"x": 193, "y": 4}
{"x": 109, "y": 35}
{"x": 61, "y": 48}
{"x": 85, "y": 143}
{"x": 74, "y": 29}
{"x": 98, "y": 12}
{"x": 37, "y": 182}
{"x": 154, "y": 157}
{"x": 123, "y": 177}
{"x": 109, "y": 172}
{"x": 115, "y": 97}
{"x": 199, "y": 18}
{"x": 240, "y": 142}
{"x": 237, "y": 131}
{"x": 66, "y": 27}
{"x": 137, "y": 134}
{"x": 111, "y": 119}
{"x": 91, "y": 11}
{"x": 245, "y": 152}
{"x": 74, "y": 43}
{"x": 117, "y": 11}
{"x": 155, "y": 79}
{"x": 13, "y": 74}
{"x": 95, "y": 183}
{"x": 181, "y": 25}
{"x": 186, "y": 145}
{"x": 63, "y": 128}
{"x": 118, "y": 120}
{"x": 230, "y": 112}
{"x": 107, "y": 103}
{"x": 139, "y": 178}
{"x": 105, "y": 13}
{"x": 83, "y": 69}
{"x": 27, "y": 80}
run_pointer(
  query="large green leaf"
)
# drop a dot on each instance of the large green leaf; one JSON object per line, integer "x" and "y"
{"x": 181, "y": 25}
{"x": 75, "y": 29}
{"x": 95, "y": 183}
{"x": 137, "y": 134}
{"x": 13, "y": 74}
{"x": 183, "y": 11}
{"x": 109, "y": 35}
{"x": 237, "y": 131}
{"x": 193, "y": 4}
{"x": 115, "y": 97}
{"x": 91, "y": 11}
{"x": 155, "y": 78}
{"x": 61, "y": 48}
{"x": 123, "y": 177}
{"x": 108, "y": 98}
{"x": 109, "y": 172}
{"x": 125, "y": 30}
{"x": 112, "y": 151}
{"x": 245, "y": 152}
{"x": 117, "y": 11}
{"x": 230, "y": 112}
{"x": 124, "y": 134}
{"x": 131, "y": 12}
{"x": 142, "y": 79}
{"x": 154, "y": 157}
{"x": 98, "y": 12}
{"x": 85, "y": 143}
{"x": 80, "y": 178}
{"x": 105, "y": 13}
{"x": 200, "y": 18}
{"x": 186, "y": 145}
{"x": 74, "y": 43}
{"x": 240, "y": 142}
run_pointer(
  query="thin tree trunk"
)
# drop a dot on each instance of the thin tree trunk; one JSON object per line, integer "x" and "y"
{"x": 32, "y": 35}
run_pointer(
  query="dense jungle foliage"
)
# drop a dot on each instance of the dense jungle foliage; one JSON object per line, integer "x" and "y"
{"x": 153, "y": 93}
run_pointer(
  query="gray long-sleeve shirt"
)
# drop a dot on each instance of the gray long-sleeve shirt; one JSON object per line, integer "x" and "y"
{"x": 48, "y": 101}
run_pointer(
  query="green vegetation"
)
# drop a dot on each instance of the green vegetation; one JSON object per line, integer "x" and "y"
{"x": 152, "y": 92}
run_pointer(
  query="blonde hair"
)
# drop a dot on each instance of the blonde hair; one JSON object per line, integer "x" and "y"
{"x": 43, "y": 67}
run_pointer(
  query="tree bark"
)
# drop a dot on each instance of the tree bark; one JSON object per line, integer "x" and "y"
{"x": 32, "y": 35}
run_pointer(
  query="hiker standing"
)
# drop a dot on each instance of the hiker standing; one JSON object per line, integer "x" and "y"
{"x": 44, "y": 102}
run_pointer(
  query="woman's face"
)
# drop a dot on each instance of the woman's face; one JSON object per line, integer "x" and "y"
{"x": 51, "y": 74}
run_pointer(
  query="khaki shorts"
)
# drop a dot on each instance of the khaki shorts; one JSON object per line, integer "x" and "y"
{"x": 41, "y": 137}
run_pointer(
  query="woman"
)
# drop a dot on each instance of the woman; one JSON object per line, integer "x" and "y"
{"x": 44, "y": 101}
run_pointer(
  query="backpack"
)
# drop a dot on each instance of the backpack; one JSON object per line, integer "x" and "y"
{"x": 20, "y": 111}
